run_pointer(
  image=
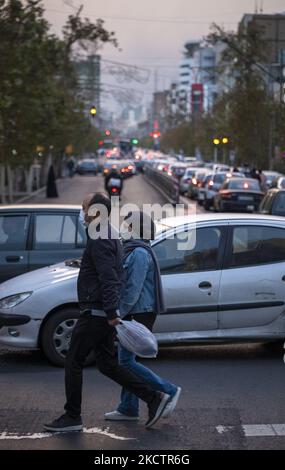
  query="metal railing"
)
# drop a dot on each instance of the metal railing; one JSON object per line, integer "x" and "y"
{"x": 168, "y": 185}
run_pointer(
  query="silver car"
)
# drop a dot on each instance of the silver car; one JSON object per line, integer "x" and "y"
{"x": 223, "y": 278}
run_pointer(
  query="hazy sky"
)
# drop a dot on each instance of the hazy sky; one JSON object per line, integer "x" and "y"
{"x": 151, "y": 33}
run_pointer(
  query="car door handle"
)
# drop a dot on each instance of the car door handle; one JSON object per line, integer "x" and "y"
{"x": 205, "y": 285}
{"x": 283, "y": 278}
{"x": 13, "y": 259}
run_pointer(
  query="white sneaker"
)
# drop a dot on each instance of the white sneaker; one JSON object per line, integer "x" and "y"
{"x": 117, "y": 416}
{"x": 172, "y": 404}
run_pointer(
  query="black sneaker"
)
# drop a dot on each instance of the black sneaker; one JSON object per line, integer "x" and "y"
{"x": 156, "y": 408}
{"x": 64, "y": 423}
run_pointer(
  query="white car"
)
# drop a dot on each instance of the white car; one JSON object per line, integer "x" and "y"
{"x": 226, "y": 282}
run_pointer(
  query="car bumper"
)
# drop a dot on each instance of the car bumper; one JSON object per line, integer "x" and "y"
{"x": 13, "y": 320}
{"x": 239, "y": 206}
{"x": 21, "y": 336}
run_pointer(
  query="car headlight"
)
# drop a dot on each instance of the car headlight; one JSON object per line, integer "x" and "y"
{"x": 13, "y": 300}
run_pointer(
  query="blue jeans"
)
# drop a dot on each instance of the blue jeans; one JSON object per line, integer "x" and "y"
{"x": 130, "y": 403}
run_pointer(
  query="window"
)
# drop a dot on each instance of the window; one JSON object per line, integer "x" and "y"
{"x": 55, "y": 231}
{"x": 279, "y": 204}
{"x": 257, "y": 245}
{"x": 266, "y": 203}
{"x": 244, "y": 184}
{"x": 13, "y": 232}
{"x": 219, "y": 178}
{"x": 202, "y": 254}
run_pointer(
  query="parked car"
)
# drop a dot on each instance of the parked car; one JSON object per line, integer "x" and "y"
{"x": 177, "y": 170}
{"x": 212, "y": 187}
{"x": 238, "y": 194}
{"x": 87, "y": 166}
{"x": 201, "y": 190}
{"x": 33, "y": 236}
{"x": 271, "y": 176}
{"x": 196, "y": 182}
{"x": 273, "y": 202}
{"x": 185, "y": 180}
{"x": 224, "y": 283}
{"x": 279, "y": 183}
{"x": 220, "y": 167}
{"x": 127, "y": 168}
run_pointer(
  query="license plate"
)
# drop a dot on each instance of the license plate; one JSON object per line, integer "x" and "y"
{"x": 245, "y": 198}
{"x": 250, "y": 208}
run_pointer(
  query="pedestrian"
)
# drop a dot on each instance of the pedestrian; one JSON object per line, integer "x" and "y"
{"x": 262, "y": 180}
{"x": 71, "y": 166}
{"x": 98, "y": 286}
{"x": 254, "y": 174}
{"x": 141, "y": 300}
{"x": 51, "y": 189}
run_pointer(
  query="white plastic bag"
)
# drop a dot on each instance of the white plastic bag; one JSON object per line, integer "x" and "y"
{"x": 137, "y": 338}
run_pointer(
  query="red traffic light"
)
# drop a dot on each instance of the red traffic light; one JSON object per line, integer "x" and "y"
{"x": 101, "y": 142}
{"x": 107, "y": 132}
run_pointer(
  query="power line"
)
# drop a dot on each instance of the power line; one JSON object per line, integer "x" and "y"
{"x": 147, "y": 20}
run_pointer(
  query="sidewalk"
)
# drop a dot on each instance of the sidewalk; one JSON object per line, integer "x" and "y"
{"x": 70, "y": 190}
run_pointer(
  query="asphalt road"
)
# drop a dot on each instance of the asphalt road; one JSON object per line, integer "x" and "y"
{"x": 223, "y": 388}
{"x": 232, "y": 395}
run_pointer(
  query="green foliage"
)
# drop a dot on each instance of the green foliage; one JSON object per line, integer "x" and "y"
{"x": 39, "y": 103}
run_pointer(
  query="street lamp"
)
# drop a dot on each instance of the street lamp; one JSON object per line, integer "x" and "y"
{"x": 216, "y": 143}
{"x": 93, "y": 111}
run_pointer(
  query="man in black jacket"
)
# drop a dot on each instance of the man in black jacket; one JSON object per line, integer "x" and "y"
{"x": 99, "y": 284}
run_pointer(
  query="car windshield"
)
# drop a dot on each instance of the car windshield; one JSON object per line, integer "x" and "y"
{"x": 244, "y": 184}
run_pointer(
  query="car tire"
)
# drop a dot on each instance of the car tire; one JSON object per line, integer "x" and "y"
{"x": 56, "y": 335}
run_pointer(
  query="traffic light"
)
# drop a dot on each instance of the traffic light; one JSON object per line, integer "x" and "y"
{"x": 101, "y": 142}
{"x": 135, "y": 141}
{"x": 93, "y": 111}
{"x": 216, "y": 141}
{"x": 107, "y": 132}
{"x": 225, "y": 140}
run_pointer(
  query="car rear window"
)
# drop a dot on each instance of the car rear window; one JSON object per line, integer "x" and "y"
{"x": 219, "y": 178}
{"x": 244, "y": 184}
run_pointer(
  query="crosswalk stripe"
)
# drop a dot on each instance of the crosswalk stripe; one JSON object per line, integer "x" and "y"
{"x": 255, "y": 430}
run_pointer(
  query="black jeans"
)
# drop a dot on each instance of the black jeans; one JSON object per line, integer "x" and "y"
{"x": 94, "y": 333}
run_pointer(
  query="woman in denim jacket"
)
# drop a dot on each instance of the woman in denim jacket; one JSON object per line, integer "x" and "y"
{"x": 141, "y": 299}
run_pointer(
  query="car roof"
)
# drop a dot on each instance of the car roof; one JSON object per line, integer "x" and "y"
{"x": 239, "y": 178}
{"x": 35, "y": 207}
{"x": 173, "y": 222}
{"x": 275, "y": 190}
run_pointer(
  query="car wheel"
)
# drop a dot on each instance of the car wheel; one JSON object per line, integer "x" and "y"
{"x": 56, "y": 336}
